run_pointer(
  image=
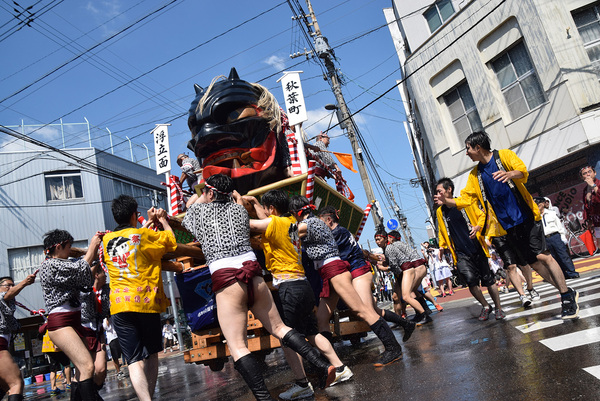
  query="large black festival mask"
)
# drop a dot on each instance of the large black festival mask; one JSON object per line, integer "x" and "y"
{"x": 232, "y": 133}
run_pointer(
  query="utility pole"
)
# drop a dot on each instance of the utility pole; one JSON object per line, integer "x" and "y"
{"x": 325, "y": 53}
{"x": 403, "y": 221}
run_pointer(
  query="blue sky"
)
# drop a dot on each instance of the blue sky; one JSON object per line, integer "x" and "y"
{"x": 145, "y": 75}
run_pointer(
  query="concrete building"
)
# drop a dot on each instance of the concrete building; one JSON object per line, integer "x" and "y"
{"x": 43, "y": 190}
{"x": 525, "y": 71}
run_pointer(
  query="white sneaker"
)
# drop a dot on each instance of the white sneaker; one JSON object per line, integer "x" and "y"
{"x": 525, "y": 301}
{"x": 297, "y": 392}
{"x": 533, "y": 294}
{"x": 344, "y": 375}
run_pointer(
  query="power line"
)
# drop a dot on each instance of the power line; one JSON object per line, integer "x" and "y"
{"x": 74, "y": 40}
{"x": 86, "y": 51}
{"x": 401, "y": 81}
{"x": 167, "y": 62}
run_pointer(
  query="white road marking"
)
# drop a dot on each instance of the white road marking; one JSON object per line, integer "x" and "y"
{"x": 572, "y": 340}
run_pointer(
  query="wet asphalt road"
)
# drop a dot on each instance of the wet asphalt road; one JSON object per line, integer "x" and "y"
{"x": 532, "y": 355}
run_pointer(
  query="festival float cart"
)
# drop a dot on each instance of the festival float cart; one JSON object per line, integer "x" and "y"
{"x": 237, "y": 130}
{"x": 208, "y": 343}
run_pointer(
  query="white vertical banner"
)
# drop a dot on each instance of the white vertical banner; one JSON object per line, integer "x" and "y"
{"x": 161, "y": 148}
{"x": 294, "y": 98}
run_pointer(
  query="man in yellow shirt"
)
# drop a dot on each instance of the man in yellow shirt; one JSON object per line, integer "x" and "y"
{"x": 294, "y": 298}
{"x": 133, "y": 258}
{"x": 498, "y": 183}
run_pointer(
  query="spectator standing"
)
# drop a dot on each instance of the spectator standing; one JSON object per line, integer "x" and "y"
{"x": 113, "y": 343}
{"x": 591, "y": 199}
{"x": 555, "y": 239}
{"x": 167, "y": 332}
{"x": 441, "y": 269}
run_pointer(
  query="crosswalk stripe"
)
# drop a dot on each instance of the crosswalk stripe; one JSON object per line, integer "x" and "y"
{"x": 594, "y": 371}
{"x": 556, "y": 320}
{"x": 546, "y": 308}
{"x": 572, "y": 340}
{"x": 550, "y": 288}
{"x": 552, "y": 295}
{"x": 544, "y": 296}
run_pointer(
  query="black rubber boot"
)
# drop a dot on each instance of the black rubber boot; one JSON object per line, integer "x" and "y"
{"x": 393, "y": 350}
{"x": 328, "y": 335}
{"x": 251, "y": 372}
{"x": 75, "y": 394}
{"x": 15, "y": 397}
{"x": 98, "y": 388}
{"x": 407, "y": 325}
{"x": 423, "y": 303}
{"x": 87, "y": 389}
{"x": 298, "y": 343}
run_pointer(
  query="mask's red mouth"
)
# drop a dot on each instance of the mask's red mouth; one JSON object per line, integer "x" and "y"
{"x": 239, "y": 162}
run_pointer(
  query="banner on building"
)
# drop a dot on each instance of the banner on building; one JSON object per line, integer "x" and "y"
{"x": 294, "y": 98}
{"x": 161, "y": 148}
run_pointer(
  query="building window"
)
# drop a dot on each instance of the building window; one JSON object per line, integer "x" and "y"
{"x": 587, "y": 22}
{"x": 142, "y": 195}
{"x": 63, "y": 186}
{"x": 463, "y": 112}
{"x": 438, "y": 14}
{"x": 518, "y": 80}
{"x": 25, "y": 261}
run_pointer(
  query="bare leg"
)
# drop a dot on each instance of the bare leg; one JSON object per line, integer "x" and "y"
{"x": 295, "y": 362}
{"x": 325, "y": 310}
{"x": 397, "y": 299}
{"x": 71, "y": 344}
{"x": 323, "y": 345}
{"x": 342, "y": 283}
{"x": 100, "y": 366}
{"x": 265, "y": 310}
{"x": 441, "y": 288}
{"x": 478, "y": 295}
{"x": 513, "y": 275}
{"x": 68, "y": 374}
{"x": 493, "y": 291}
{"x": 232, "y": 311}
{"x": 427, "y": 295}
{"x": 407, "y": 283}
{"x": 449, "y": 284}
{"x": 10, "y": 373}
{"x": 139, "y": 380}
{"x": 362, "y": 285}
{"x": 549, "y": 269}
{"x": 151, "y": 371}
{"x": 420, "y": 273}
{"x": 53, "y": 380}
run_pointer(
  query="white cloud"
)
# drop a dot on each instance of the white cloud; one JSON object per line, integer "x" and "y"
{"x": 275, "y": 61}
{"x": 107, "y": 8}
{"x": 44, "y": 133}
{"x": 320, "y": 119}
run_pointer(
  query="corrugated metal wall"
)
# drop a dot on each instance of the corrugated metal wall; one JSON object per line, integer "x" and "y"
{"x": 26, "y": 215}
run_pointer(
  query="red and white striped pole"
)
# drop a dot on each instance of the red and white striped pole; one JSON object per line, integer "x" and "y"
{"x": 293, "y": 146}
{"x": 310, "y": 180}
{"x": 364, "y": 221}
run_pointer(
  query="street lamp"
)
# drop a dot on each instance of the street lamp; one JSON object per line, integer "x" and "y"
{"x": 338, "y": 112}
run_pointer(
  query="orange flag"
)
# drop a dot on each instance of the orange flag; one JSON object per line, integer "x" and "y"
{"x": 345, "y": 160}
